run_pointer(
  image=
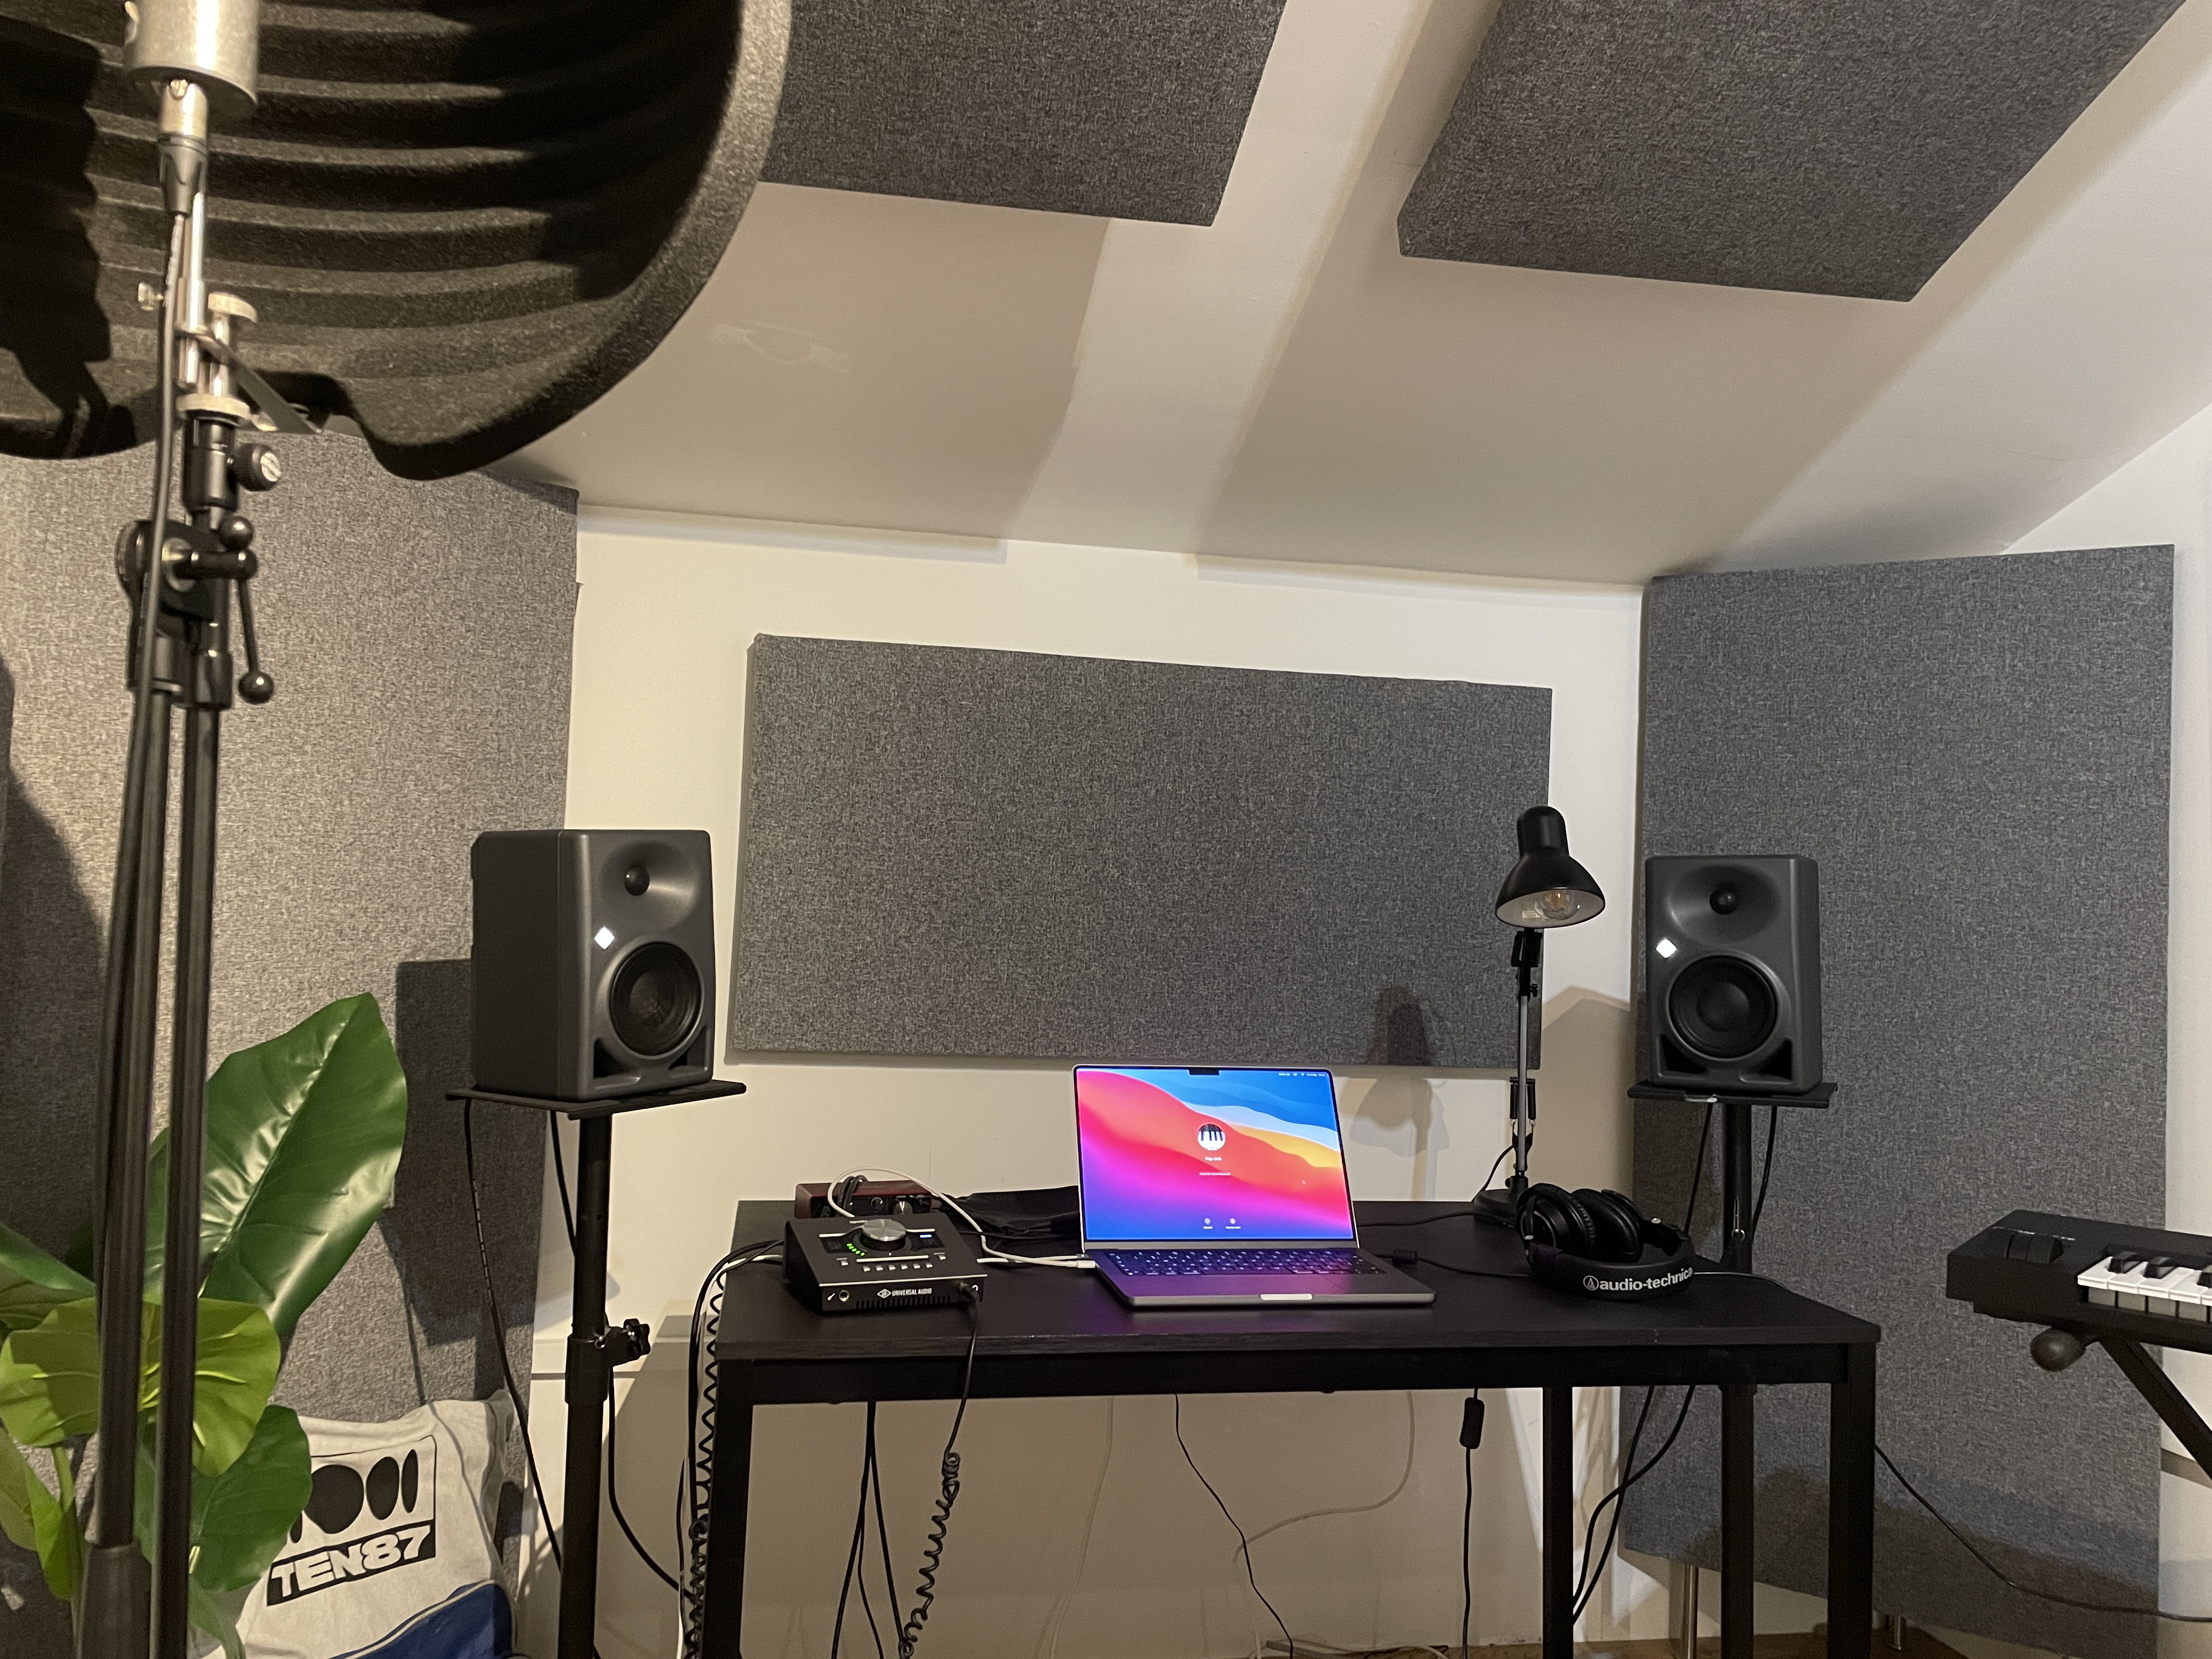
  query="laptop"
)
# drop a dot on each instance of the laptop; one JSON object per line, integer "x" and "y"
{"x": 1222, "y": 1187}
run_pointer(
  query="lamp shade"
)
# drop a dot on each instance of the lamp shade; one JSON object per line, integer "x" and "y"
{"x": 1547, "y": 888}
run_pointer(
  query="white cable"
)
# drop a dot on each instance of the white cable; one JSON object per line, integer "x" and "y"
{"x": 1083, "y": 1555}
{"x": 1411, "y": 1426}
{"x": 997, "y": 1258}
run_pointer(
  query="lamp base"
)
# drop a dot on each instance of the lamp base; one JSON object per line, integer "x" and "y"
{"x": 1498, "y": 1207}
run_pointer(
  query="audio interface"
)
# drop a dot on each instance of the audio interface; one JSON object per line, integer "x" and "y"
{"x": 866, "y": 1264}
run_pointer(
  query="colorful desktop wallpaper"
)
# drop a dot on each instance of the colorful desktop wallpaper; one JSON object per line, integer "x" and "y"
{"x": 1240, "y": 1154}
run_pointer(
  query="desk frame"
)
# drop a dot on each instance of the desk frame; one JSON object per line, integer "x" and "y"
{"x": 1089, "y": 1367}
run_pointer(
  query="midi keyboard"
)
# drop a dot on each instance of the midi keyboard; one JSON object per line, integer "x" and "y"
{"x": 2095, "y": 1277}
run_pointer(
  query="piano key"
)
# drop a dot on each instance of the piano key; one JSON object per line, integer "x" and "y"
{"x": 2160, "y": 1277}
{"x": 2097, "y": 1284}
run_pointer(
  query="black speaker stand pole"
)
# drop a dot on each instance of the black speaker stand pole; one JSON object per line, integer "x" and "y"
{"x": 1735, "y": 1186}
{"x": 594, "y": 1348}
{"x": 1739, "y": 1191}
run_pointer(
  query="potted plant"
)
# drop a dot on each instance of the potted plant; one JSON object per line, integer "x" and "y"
{"x": 303, "y": 1136}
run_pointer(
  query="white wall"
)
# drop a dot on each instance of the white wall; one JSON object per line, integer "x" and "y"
{"x": 2165, "y": 495}
{"x": 668, "y": 611}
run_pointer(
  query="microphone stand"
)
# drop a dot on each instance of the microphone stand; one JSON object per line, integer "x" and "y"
{"x": 181, "y": 577}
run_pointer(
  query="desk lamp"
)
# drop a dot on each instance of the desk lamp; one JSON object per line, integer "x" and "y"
{"x": 1545, "y": 889}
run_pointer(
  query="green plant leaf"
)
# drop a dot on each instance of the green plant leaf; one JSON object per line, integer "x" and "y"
{"x": 251, "y": 1506}
{"x": 241, "y": 1517}
{"x": 50, "y": 1376}
{"x": 239, "y": 1354}
{"x": 209, "y": 1614}
{"x": 303, "y": 1135}
{"x": 32, "y": 1283}
{"x": 59, "y": 1537}
{"x": 16, "y": 1481}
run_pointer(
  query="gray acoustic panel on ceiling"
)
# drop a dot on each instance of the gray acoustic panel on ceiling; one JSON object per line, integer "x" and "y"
{"x": 1827, "y": 149}
{"x": 1096, "y": 106}
{"x": 994, "y": 853}
{"x": 1976, "y": 751}
{"x": 420, "y": 635}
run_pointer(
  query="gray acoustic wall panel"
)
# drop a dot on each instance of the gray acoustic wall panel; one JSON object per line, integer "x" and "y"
{"x": 1121, "y": 110}
{"x": 994, "y": 853}
{"x": 1976, "y": 751}
{"x": 1827, "y": 149}
{"x": 420, "y": 636}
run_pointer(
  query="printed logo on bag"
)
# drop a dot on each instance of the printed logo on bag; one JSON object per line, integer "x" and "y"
{"x": 368, "y": 1513}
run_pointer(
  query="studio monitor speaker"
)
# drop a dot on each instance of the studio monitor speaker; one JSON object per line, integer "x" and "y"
{"x": 594, "y": 961}
{"x": 1732, "y": 974}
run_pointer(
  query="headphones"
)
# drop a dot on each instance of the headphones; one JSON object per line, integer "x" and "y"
{"x": 1599, "y": 1243}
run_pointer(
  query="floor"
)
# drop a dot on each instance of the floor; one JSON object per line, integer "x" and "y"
{"x": 1814, "y": 1644}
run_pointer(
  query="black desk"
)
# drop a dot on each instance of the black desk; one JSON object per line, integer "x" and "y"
{"x": 1049, "y": 1332}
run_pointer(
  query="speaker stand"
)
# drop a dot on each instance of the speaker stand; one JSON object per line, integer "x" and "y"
{"x": 1738, "y": 1191}
{"x": 594, "y": 1350}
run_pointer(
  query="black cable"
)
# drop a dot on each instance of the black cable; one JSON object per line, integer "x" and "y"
{"x": 614, "y": 1502}
{"x": 1499, "y": 1162}
{"x": 852, "y": 1555}
{"x": 694, "y": 1485}
{"x": 1766, "y": 1174}
{"x": 1420, "y": 1220}
{"x": 883, "y": 1533}
{"x": 1697, "y": 1174}
{"x": 561, "y": 1180}
{"x": 1244, "y": 1544}
{"x": 948, "y": 1493}
{"x": 614, "y": 1485}
{"x": 1590, "y": 1532}
{"x": 2013, "y": 1584}
{"x": 499, "y": 1326}
{"x": 1621, "y": 1491}
{"x": 1465, "y": 1549}
{"x": 1407, "y": 1258}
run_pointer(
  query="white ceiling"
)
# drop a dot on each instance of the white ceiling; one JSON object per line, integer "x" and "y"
{"x": 1284, "y": 385}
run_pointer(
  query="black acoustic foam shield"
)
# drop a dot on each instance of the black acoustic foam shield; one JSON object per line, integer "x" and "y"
{"x": 1098, "y": 107}
{"x": 461, "y": 221}
{"x": 1826, "y": 148}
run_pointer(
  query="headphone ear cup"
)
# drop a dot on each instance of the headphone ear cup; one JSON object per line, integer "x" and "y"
{"x": 1617, "y": 1228}
{"x": 1552, "y": 1215}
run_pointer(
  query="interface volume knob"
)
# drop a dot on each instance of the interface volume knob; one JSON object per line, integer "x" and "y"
{"x": 879, "y": 1234}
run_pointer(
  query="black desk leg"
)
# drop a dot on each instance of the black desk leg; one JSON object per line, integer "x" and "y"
{"x": 1558, "y": 1524}
{"x": 722, "y": 1597}
{"x": 1738, "y": 1489}
{"x": 1851, "y": 1508}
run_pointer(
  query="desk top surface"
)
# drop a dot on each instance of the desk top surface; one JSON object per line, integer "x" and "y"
{"x": 1055, "y": 1311}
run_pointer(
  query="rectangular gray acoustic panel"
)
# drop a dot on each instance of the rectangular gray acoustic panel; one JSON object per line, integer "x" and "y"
{"x": 1829, "y": 148}
{"x": 1125, "y": 109}
{"x": 993, "y": 852}
{"x": 1975, "y": 751}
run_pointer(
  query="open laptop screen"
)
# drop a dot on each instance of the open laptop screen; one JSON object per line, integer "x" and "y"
{"x": 1186, "y": 1155}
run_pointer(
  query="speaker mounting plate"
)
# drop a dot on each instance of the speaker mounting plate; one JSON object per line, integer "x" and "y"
{"x": 1821, "y": 1094}
{"x": 580, "y": 1108}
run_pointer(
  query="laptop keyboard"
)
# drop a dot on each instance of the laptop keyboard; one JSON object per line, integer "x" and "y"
{"x": 1163, "y": 1264}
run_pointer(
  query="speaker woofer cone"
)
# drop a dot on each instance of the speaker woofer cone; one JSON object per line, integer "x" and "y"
{"x": 654, "y": 1001}
{"x": 1722, "y": 1008}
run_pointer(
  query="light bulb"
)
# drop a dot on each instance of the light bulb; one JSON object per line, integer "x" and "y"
{"x": 1557, "y": 903}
